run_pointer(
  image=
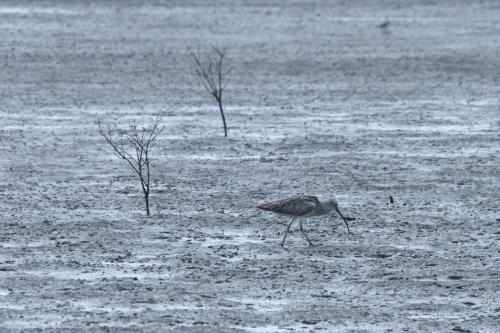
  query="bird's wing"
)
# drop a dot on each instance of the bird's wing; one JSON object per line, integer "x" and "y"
{"x": 297, "y": 206}
{"x": 311, "y": 198}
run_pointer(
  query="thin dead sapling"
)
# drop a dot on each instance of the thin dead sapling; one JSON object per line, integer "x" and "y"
{"x": 210, "y": 70}
{"x": 134, "y": 146}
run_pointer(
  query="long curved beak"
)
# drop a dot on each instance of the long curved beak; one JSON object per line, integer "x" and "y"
{"x": 343, "y": 218}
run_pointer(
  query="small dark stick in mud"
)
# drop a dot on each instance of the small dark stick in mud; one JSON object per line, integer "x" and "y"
{"x": 384, "y": 25}
{"x": 391, "y": 200}
{"x": 302, "y": 207}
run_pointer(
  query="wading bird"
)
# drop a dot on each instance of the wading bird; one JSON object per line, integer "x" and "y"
{"x": 301, "y": 207}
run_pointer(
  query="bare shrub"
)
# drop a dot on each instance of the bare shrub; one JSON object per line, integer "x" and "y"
{"x": 212, "y": 74}
{"x": 134, "y": 146}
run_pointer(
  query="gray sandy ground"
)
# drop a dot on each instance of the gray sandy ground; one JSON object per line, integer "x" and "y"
{"x": 322, "y": 101}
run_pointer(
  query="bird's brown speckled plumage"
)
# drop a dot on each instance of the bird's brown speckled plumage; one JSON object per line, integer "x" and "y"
{"x": 296, "y": 206}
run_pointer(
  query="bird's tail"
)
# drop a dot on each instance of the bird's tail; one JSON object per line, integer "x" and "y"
{"x": 264, "y": 206}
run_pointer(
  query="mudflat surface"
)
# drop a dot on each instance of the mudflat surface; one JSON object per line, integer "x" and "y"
{"x": 322, "y": 101}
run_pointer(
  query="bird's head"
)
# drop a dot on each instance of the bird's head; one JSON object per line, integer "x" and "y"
{"x": 331, "y": 203}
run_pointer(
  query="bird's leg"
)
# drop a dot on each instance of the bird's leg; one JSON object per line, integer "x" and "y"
{"x": 304, "y": 233}
{"x": 287, "y": 230}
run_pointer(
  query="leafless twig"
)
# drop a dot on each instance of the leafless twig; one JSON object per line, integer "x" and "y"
{"x": 134, "y": 146}
{"x": 210, "y": 70}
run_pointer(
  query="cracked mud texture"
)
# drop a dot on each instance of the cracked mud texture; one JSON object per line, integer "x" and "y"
{"x": 322, "y": 101}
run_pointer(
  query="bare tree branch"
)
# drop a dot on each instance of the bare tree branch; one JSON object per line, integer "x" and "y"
{"x": 138, "y": 142}
{"x": 210, "y": 72}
